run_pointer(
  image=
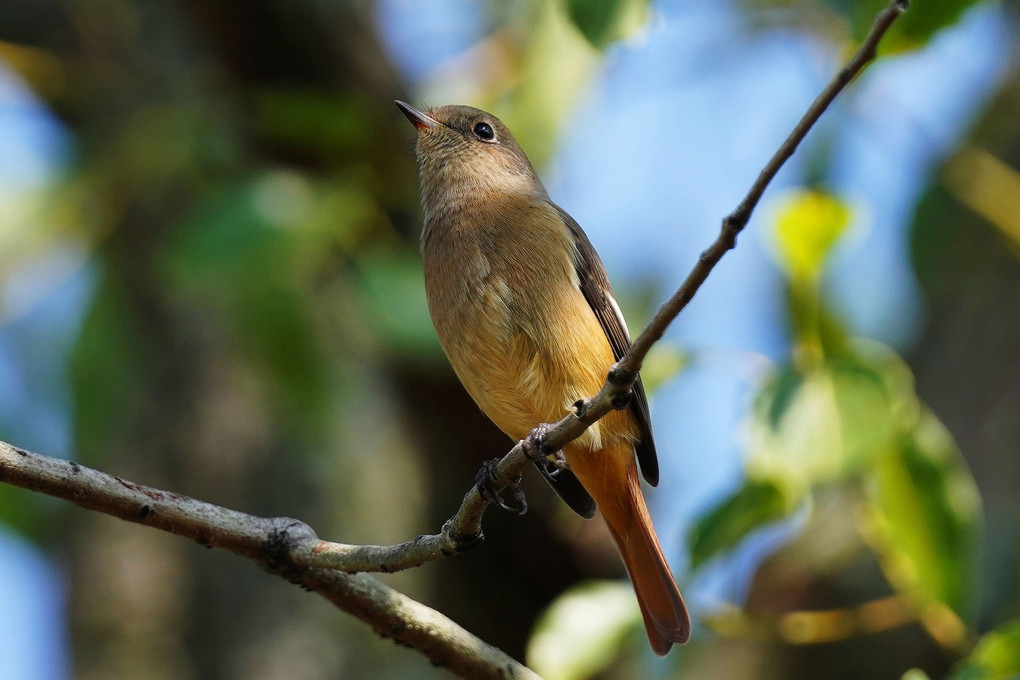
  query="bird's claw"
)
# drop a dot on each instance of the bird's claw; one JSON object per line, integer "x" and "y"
{"x": 535, "y": 443}
{"x": 484, "y": 481}
{"x": 559, "y": 461}
{"x": 552, "y": 465}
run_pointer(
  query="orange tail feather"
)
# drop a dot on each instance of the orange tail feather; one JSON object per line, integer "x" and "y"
{"x": 662, "y": 607}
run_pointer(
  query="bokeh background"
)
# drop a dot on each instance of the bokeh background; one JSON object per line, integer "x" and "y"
{"x": 209, "y": 282}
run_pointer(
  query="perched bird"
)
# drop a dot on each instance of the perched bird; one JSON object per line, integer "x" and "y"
{"x": 523, "y": 309}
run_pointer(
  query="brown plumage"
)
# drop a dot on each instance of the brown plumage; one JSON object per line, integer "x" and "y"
{"x": 523, "y": 309}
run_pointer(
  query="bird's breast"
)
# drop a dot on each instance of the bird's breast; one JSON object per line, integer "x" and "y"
{"x": 500, "y": 267}
{"x": 504, "y": 298}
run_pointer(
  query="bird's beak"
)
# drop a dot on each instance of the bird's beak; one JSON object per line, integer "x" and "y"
{"x": 419, "y": 119}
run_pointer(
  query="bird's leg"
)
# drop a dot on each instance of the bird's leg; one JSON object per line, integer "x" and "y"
{"x": 484, "y": 481}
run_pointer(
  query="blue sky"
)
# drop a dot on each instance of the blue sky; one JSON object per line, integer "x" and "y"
{"x": 34, "y": 400}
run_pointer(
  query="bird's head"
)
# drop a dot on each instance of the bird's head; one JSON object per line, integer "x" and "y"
{"x": 465, "y": 153}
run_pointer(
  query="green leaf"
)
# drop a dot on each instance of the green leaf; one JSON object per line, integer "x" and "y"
{"x": 832, "y": 420}
{"x": 583, "y": 630}
{"x": 996, "y": 657}
{"x": 273, "y": 323}
{"x": 926, "y": 515}
{"x": 595, "y": 18}
{"x": 913, "y": 29}
{"x": 809, "y": 224}
{"x": 755, "y": 504}
{"x": 557, "y": 65}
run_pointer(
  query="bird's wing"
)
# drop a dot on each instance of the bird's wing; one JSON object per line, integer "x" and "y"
{"x": 568, "y": 487}
{"x": 594, "y": 284}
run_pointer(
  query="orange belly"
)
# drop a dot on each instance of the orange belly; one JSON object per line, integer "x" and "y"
{"x": 524, "y": 372}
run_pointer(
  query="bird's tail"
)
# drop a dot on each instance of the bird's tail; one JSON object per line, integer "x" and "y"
{"x": 666, "y": 619}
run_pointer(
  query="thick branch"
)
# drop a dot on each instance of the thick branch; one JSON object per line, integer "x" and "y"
{"x": 269, "y": 542}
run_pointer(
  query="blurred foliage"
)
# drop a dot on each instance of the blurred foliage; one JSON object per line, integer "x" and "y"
{"x": 846, "y": 412}
{"x": 755, "y": 504}
{"x": 995, "y": 657}
{"x": 809, "y": 224}
{"x": 926, "y": 513}
{"x": 913, "y": 30}
{"x": 664, "y": 362}
{"x": 604, "y": 21}
{"x": 989, "y": 187}
{"x": 583, "y": 631}
{"x": 843, "y": 414}
{"x": 850, "y": 20}
{"x": 241, "y": 195}
{"x": 554, "y": 66}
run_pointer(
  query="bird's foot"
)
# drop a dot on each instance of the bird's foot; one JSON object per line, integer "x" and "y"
{"x": 485, "y": 479}
{"x": 552, "y": 465}
{"x": 559, "y": 461}
{"x": 535, "y": 446}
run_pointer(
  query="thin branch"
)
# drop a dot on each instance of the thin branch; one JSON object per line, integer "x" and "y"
{"x": 270, "y": 543}
{"x": 464, "y": 530}
{"x": 292, "y": 550}
{"x": 626, "y": 370}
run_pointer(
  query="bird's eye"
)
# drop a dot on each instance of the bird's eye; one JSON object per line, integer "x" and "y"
{"x": 484, "y": 132}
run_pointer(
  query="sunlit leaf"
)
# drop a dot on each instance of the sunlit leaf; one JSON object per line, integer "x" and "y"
{"x": 996, "y": 657}
{"x": 832, "y": 420}
{"x": 809, "y": 224}
{"x": 583, "y": 629}
{"x": 755, "y": 504}
{"x": 795, "y": 425}
{"x": 926, "y": 515}
{"x": 988, "y": 186}
{"x": 557, "y": 65}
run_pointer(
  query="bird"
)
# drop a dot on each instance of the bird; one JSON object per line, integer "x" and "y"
{"x": 524, "y": 312}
